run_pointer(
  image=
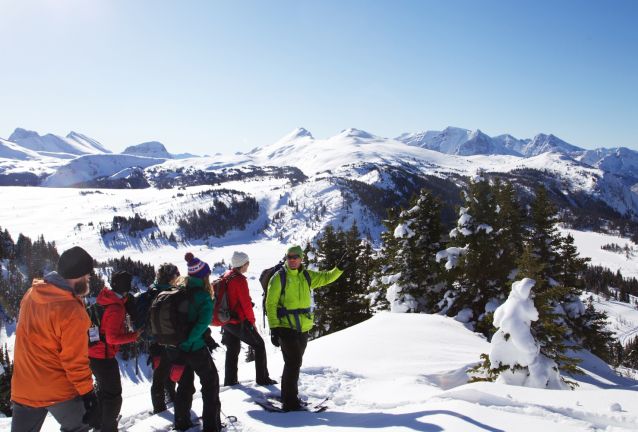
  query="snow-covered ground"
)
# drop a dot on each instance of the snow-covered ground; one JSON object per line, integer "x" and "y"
{"x": 401, "y": 372}
{"x": 589, "y": 245}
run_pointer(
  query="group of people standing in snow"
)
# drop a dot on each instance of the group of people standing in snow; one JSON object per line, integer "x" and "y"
{"x": 57, "y": 349}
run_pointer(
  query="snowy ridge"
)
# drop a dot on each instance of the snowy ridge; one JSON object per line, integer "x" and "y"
{"x": 74, "y": 143}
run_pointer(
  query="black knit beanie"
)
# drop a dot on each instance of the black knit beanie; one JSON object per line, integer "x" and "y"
{"x": 121, "y": 282}
{"x": 75, "y": 263}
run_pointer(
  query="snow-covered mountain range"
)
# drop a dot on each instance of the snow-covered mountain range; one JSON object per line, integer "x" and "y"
{"x": 363, "y": 172}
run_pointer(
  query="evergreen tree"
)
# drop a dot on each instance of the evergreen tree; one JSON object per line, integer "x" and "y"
{"x": 411, "y": 277}
{"x": 552, "y": 299}
{"x": 478, "y": 278}
{"x": 629, "y": 356}
{"x": 344, "y": 302}
{"x": 387, "y": 264}
{"x": 6, "y": 372}
{"x": 510, "y": 227}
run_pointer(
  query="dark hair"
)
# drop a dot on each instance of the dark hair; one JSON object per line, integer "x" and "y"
{"x": 189, "y": 257}
{"x": 166, "y": 273}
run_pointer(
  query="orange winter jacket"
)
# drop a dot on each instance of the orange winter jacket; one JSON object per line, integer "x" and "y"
{"x": 51, "y": 362}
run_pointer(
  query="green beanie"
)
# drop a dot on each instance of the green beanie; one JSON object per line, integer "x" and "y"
{"x": 295, "y": 250}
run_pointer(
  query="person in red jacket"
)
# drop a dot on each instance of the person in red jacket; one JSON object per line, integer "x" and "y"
{"x": 241, "y": 327}
{"x": 113, "y": 333}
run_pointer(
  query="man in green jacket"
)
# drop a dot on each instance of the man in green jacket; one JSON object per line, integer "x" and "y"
{"x": 290, "y": 317}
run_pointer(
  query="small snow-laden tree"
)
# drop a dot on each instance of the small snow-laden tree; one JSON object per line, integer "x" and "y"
{"x": 474, "y": 258}
{"x": 515, "y": 357}
{"x": 551, "y": 330}
{"x": 411, "y": 277}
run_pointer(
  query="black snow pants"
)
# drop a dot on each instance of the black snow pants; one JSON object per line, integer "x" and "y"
{"x": 201, "y": 363}
{"x": 245, "y": 332}
{"x": 109, "y": 391}
{"x": 293, "y": 346}
{"x": 162, "y": 386}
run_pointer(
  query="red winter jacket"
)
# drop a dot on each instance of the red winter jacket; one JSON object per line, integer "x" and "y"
{"x": 113, "y": 326}
{"x": 239, "y": 298}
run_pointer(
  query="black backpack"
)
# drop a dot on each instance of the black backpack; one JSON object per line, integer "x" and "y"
{"x": 169, "y": 316}
{"x": 139, "y": 306}
{"x": 264, "y": 280}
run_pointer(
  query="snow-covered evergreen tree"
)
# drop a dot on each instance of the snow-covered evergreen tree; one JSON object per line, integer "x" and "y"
{"x": 411, "y": 277}
{"x": 515, "y": 356}
{"x": 473, "y": 257}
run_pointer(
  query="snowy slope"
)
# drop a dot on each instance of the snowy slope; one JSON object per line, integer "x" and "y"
{"x": 589, "y": 246}
{"x": 622, "y": 161}
{"x": 9, "y": 150}
{"x": 399, "y": 372}
{"x": 90, "y": 167}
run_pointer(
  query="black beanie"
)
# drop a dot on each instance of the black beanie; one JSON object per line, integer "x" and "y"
{"x": 75, "y": 263}
{"x": 121, "y": 282}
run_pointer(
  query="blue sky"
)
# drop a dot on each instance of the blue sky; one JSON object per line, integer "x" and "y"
{"x": 208, "y": 76}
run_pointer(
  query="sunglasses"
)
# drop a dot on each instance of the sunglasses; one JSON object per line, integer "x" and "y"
{"x": 293, "y": 257}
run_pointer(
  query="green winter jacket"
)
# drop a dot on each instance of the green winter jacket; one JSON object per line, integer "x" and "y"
{"x": 200, "y": 312}
{"x": 296, "y": 296}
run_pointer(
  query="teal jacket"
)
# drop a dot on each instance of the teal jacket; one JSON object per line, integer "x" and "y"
{"x": 200, "y": 313}
{"x": 297, "y": 295}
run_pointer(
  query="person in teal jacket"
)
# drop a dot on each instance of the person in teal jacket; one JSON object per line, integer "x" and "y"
{"x": 290, "y": 317}
{"x": 193, "y": 356}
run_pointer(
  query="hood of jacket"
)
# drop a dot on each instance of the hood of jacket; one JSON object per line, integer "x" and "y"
{"x": 52, "y": 289}
{"x": 108, "y": 297}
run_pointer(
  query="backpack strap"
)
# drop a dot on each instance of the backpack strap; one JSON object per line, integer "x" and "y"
{"x": 307, "y": 275}
{"x": 282, "y": 311}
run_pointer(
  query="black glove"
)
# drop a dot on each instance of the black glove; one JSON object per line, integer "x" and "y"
{"x": 91, "y": 409}
{"x": 210, "y": 342}
{"x": 274, "y": 336}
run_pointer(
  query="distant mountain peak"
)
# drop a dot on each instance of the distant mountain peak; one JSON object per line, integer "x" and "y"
{"x": 20, "y": 133}
{"x": 302, "y": 132}
{"x": 149, "y": 149}
{"x": 356, "y": 133}
{"x": 297, "y": 133}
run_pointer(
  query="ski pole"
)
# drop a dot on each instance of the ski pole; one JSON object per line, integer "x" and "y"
{"x": 231, "y": 419}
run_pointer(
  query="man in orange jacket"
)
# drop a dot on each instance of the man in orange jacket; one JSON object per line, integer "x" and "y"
{"x": 51, "y": 363}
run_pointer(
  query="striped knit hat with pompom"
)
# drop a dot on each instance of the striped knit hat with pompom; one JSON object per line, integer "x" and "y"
{"x": 196, "y": 267}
